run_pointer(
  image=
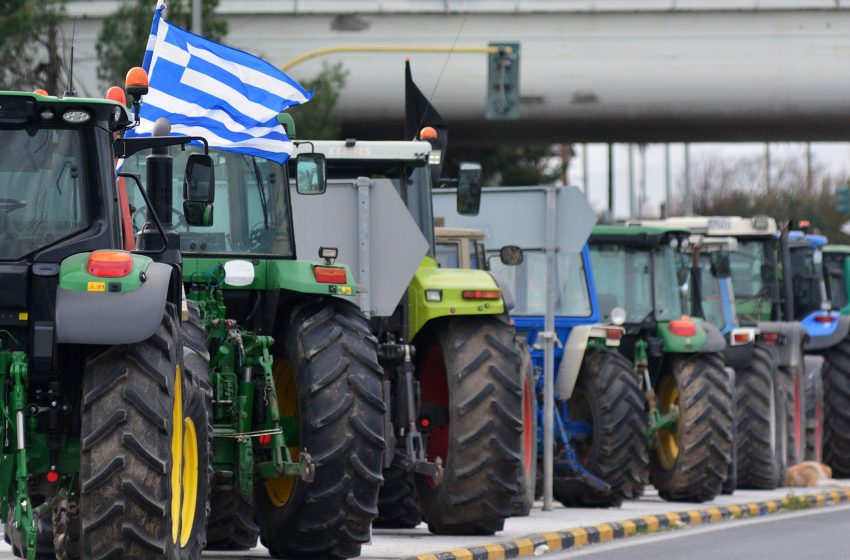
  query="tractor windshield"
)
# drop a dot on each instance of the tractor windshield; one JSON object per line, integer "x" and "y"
{"x": 835, "y": 265}
{"x": 251, "y": 215}
{"x": 42, "y": 189}
{"x": 712, "y": 298}
{"x": 807, "y": 280}
{"x": 527, "y": 282}
{"x": 631, "y": 277}
{"x": 749, "y": 272}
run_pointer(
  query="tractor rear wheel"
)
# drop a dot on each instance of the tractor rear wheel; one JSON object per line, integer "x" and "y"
{"x": 329, "y": 380}
{"x": 836, "y": 410}
{"x": 470, "y": 379}
{"x": 398, "y": 504}
{"x": 524, "y": 500}
{"x": 758, "y": 419}
{"x": 142, "y": 464}
{"x": 232, "y": 525}
{"x": 691, "y": 461}
{"x": 608, "y": 396}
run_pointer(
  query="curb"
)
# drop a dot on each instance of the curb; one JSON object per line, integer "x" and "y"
{"x": 606, "y": 532}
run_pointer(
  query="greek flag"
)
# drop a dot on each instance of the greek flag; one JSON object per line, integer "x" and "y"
{"x": 206, "y": 89}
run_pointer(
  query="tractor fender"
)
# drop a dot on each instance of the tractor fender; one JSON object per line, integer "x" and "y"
{"x": 113, "y": 318}
{"x": 571, "y": 361}
{"x": 507, "y": 294}
{"x": 715, "y": 341}
{"x": 816, "y": 343}
{"x": 793, "y": 335}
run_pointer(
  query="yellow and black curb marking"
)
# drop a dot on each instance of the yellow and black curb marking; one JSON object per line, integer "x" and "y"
{"x": 605, "y": 532}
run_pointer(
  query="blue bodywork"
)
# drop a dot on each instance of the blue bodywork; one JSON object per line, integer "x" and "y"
{"x": 816, "y": 326}
{"x": 530, "y": 326}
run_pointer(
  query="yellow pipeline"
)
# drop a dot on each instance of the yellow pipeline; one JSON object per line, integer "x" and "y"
{"x": 390, "y": 49}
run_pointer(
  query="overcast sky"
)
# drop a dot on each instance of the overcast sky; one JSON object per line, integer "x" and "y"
{"x": 835, "y": 156}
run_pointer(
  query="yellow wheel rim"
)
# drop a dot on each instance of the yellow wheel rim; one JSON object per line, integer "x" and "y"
{"x": 668, "y": 440}
{"x": 176, "y": 454}
{"x": 279, "y": 490}
{"x": 190, "y": 481}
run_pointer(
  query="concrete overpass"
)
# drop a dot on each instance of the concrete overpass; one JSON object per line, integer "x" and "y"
{"x": 591, "y": 70}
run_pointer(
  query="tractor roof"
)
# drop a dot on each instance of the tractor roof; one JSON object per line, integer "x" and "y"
{"x": 413, "y": 152}
{"x": 837, "y": 249}
{"x": 469, "y": 233}
{"x": 636, "y": 234}
{"x": 18, "y": 107}
{"x": 736, "y": 226}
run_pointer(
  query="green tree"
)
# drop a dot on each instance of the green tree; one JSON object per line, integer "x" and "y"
{"x": 30, "y": 44}
{"x": 508, "y": 165}
{"x": 315, "y": 119}
{"x": 737, "y": 187}
{"x": 124, "y": 36}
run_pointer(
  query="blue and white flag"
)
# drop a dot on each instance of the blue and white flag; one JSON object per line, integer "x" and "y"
{"x": 225, "y": 95}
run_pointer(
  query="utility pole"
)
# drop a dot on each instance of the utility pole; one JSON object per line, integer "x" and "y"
{"x": 689, "y": 200}
{"x": 197, "y": 27}
{"x": 767, "y": 166}
{"x": 668, "y": 189}
{"x": 809, "y": 178}
{"x": 611, "y": 180}
{"x": 585, "y": 169}
{"x": 632, "y": 213}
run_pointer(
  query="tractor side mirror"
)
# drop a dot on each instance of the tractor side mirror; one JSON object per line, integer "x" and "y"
{"x": 511, "y": 255}
{"x": 311, "y": 175}
{"x": 469, "y": 179}
{"x": 199, "y": 190}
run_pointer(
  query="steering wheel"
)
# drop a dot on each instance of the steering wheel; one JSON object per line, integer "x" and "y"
{"x": 139, "y": 213}
{"x": 9, "y": 204}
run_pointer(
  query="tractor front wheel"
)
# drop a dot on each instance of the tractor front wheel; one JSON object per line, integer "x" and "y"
{"x": 471, "y": 388}
{"x": 609, "y": 399}
{"x": 328, "y": 381}
{"x": 691, "y": 460}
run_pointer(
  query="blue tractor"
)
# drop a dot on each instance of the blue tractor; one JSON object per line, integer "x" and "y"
{"x": 601, "y": 445}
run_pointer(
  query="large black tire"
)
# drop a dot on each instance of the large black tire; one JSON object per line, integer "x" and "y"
{"x": 814, "y": 408}
{"x": 132, "y": 435}
{"x": 524, "y": 499}
{"x": 793, "y": 383}
{"x": 704, "y": 430}
{"x": 329, "y": 364}
{"x": 398, "y": 504}
{"x": 836, "y": 409}
{"x": 470, "y": 370}
{"x": 232, "y": 525}
{"x": 609, "y": 396}
{"x": 731, "y": 482}
{"x": 758, "y": 448}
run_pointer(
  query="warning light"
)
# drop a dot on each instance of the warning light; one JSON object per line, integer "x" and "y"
{"x": 110, "y": 264}
{"x": 428, "y": 133}
{"x": 425, "y": 423}
{"x": 52, "y": 477}
{"x": 116, "y": 94}
{"x": 265, "y": 439}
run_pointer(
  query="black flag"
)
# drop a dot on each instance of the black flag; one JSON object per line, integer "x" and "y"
{"x": 419, "y": 113}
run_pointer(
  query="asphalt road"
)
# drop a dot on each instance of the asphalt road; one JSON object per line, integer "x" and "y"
{"x": 818, "y": 534}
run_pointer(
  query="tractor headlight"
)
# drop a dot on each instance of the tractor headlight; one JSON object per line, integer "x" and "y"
{"x": 434, "y": 296}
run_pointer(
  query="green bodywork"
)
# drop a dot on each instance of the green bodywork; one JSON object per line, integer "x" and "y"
{"x": 451, "y": 282}
{"x": 269, "y": 274}
{"x": 247, "y": 443}
{"x": 676, "y": 344}
{"x": 74, "y": 276}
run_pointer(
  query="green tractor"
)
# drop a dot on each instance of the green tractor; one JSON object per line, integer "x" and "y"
{"x": 766, "y": 299}
{"x": 451, "y": 363}
{"x": 297, "y": 402}
{"x": 642, "y": 275}
{"x": 106, "y": 428}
